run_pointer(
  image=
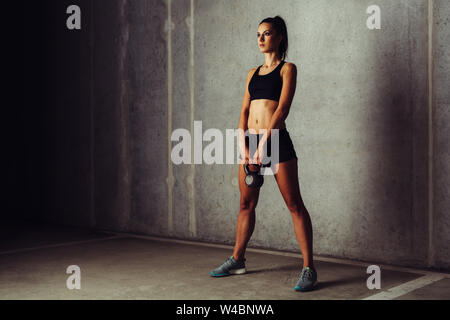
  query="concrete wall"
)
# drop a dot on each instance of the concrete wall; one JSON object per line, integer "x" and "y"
{"x": 359, "y": 122}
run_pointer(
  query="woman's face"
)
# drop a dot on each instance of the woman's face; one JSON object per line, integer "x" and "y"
{"x": 268, "y": 40}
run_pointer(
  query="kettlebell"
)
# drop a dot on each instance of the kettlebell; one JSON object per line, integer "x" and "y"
{"x": 252, "y": 178}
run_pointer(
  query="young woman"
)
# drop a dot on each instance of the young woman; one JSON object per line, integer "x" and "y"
{"x": 267, "y": 99}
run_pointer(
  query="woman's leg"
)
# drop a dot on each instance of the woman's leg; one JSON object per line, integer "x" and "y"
{"x": 246, "y": 216}
{"x": 287, "y": 180}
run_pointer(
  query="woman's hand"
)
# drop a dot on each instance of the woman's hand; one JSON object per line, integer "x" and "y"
{"x": 245, "y": 156}
{"x": 258, "y": 156}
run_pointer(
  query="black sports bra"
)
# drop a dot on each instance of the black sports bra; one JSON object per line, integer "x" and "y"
{"x": 267, "y": 86}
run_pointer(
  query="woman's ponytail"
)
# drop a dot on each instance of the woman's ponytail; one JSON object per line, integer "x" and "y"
{"x": 280, "y": 27}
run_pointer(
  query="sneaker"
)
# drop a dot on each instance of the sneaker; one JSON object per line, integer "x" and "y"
{"x": 229, "y": 267}
{"x": 307, "y": 280}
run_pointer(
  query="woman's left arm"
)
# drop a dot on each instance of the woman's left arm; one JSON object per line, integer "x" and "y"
{"x": 284, "y": 104}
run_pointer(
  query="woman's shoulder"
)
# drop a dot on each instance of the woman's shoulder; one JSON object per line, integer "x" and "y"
{"x": 289, "y": 67}
{"x": 251, "y": 72}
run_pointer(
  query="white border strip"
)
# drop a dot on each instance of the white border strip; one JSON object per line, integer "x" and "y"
{"x": 405, "y": 288}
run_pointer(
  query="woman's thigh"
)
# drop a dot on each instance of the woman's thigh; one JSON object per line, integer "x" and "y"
{"x": 287, "y": 180}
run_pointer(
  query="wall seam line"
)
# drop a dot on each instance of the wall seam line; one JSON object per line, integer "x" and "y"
{"x": 170, "y": 178}
{"x": 92, "y": 118}
{"x": 192, "y": 210}
{"x": 431, "y": 259}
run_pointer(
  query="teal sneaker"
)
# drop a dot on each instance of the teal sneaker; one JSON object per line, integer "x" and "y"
{"x": 229, "y": 267}
{"x": 307, "y": 280}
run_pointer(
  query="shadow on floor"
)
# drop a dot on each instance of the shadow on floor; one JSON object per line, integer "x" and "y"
{"x": 291, "y": 267}
{"x": 321, "y": 284}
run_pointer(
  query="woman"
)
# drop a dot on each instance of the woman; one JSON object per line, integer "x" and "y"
{"x": 267, "y": 99}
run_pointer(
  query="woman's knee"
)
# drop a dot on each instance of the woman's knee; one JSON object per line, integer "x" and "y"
{"x": 247, "y": 205}
{"x": 296, "y": 207}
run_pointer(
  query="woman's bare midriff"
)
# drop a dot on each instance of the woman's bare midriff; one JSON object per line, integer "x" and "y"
{"x": 260, "y": 114}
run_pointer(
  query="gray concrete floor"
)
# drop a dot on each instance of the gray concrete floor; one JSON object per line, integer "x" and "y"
{"x": 34, "y": 258}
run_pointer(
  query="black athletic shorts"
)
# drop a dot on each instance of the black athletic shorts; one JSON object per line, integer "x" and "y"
{"x": 286, "y": 147}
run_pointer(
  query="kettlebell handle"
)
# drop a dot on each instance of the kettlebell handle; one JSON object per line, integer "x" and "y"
{"x": 247, "y": 168}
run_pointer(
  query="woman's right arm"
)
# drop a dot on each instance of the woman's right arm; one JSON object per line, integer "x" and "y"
{"x": 243, "y": 119}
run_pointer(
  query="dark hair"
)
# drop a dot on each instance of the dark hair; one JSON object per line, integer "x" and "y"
{"x": 280, "y": 26}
